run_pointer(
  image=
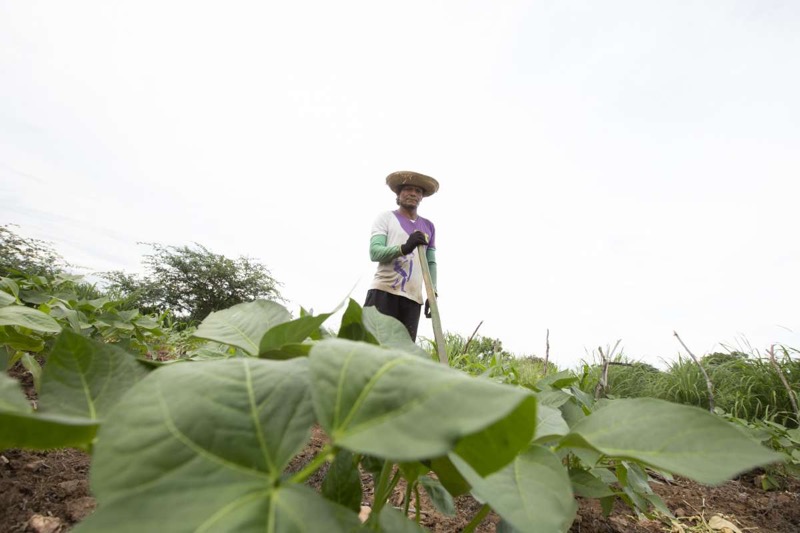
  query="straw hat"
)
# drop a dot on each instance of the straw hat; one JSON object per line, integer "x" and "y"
{"x": 396, "y": 180}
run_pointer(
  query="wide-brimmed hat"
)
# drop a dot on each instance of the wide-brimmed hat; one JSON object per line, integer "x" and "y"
{"x": 396, "y": 180}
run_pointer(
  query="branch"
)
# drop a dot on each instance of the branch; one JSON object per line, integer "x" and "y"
{"x": 784, "y": 381}
{"x": 547, "y": 351}
{"x": 471, "y": 337}
{"x": 709, "y": 385}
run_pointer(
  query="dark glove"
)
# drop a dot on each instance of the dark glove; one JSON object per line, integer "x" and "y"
{"x": 414, "y": 240}
{"x": 428, "y": 306}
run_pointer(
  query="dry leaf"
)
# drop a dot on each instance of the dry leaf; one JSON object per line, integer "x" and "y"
{"x": 719, "y": 523}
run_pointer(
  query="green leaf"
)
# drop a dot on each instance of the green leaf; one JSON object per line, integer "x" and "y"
{"x": 448, "y": 474}
{"x": 20, "y": 427}
{"x": 439, "y": 496}
{"x": 9, "y": 336}
{"x": 12, "y": 399}
{"x": 549, "y": 424}
{"x": 413, "y": 470}
{"x": 586, "y": 485}
{"x": 32, "y": 365}
{"x": 86, "y": 378}
{"x": 11, "y": 285}
{"x": 678, "y": 438}
{"x": 35, "y": 431}
{"x": 390, "y": 332}
{"x": 288, "y": 351}
{"x": 352, "y": 327}
{"x": 398, "y": 406}
{"x": 243, "y": 325}
{"x": 393, "y": 521}
{"x": 292, "y": 332}
{"x": 553, "y": 398}
{"x": 6, "y": 299}
{"x": 342, "y": 483}
{"x": 19, "y": 315}
{"x": 532, "y": 494}
{"x": 494, "y": 447}
{"x": 34, "y": 297}
{"x": 240, "y": 506}
{"x": 557, "y": 381}
{"x": 202, "y": 446}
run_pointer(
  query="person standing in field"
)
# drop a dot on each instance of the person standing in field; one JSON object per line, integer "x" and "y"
{"x": 396, "y": 289}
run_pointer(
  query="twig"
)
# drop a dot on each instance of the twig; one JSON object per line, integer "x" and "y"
{"x": 547, "y": 351}
{"x": 602, "y": 383}
{"x": 783, "y": 380}
{"x": 709, "y": 385}
{"x": 471, "y": 337}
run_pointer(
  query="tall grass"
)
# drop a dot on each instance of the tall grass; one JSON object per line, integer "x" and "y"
{"x": 746, "y": 386}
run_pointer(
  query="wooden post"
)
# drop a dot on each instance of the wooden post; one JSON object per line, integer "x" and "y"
{"x": 438, "y": 335}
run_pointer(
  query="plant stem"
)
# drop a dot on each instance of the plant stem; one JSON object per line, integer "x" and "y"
{"x": 379, "y": 493}
{"x": 417, "y": 503}
{"x": 477, "y": 519}
{"x": 407, "y": 503}
{"x": 324, "y": 456}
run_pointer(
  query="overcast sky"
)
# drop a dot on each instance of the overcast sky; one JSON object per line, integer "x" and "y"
{"x": 608, "y": 170}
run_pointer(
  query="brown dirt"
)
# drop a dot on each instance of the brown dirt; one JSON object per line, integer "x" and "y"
{"x": 48, "y": 492}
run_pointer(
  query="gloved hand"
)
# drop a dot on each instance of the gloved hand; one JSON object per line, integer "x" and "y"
{"x": 414, "y": 240}
{"x": 428, "y": 306}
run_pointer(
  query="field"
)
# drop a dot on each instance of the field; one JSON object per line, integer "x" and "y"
{"x": 116, "y": 419}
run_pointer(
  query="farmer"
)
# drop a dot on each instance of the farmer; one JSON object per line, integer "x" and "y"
{"x": 396, "y": 289}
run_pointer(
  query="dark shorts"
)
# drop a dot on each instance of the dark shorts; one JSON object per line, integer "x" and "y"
{"x": 405, "y": 310}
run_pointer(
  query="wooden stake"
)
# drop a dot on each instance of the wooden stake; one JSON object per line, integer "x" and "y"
{"x": 438, "y": 335}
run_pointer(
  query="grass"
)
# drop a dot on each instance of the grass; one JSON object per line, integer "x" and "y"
{"x": 744, "y": 385}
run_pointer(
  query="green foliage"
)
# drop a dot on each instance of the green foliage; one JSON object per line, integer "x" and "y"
{"x": 746, "y": 386}
{"x": 204, "y": 445}
{"x": 36, "y": 307}
{"x": 33, "y": 256}
{"x": 192, "y": 282}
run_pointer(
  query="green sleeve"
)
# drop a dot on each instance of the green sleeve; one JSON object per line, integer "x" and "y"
{"x": 430, "y": 255}
{"x": 379, "y": 252}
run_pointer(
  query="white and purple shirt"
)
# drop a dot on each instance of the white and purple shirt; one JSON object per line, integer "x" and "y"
{"x": 402, "y": 275}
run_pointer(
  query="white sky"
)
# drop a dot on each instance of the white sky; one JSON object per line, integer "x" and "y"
{"x": 609, "y": 170}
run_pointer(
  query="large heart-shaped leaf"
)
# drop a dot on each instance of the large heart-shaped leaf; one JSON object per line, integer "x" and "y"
{"x": 19, "y": 315}
{"x": 201, "y": 447}
{"x": 533, "y": 493}
{"x": 20, "y": 427}
{"x": 397, "y": 406}
{"x": 243, "y": 325}
{"x": 681, "y": 439}
{"x": 390, "y": 332}
{"x": 86, "y": 378}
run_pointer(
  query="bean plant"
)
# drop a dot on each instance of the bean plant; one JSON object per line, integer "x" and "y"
{"x": 204, "y": 445}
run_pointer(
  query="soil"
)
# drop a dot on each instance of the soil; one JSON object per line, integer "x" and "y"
{"x": 48, "y": 492}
